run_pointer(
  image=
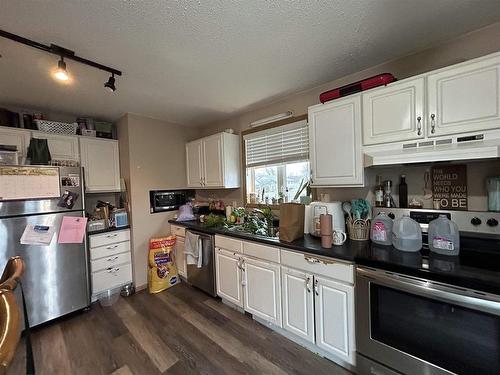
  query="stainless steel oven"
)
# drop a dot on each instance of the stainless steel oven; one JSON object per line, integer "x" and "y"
{"x": 412, "y": 326}
{"x": 168, "y": 200}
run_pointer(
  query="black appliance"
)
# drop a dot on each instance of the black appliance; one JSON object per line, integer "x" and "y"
{"x": 169, "y": 200}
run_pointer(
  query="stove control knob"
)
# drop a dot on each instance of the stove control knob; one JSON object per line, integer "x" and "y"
{"x": 475, "y": 221}
{"x": 492, "y": 222}
{"x": 391, "y": 215}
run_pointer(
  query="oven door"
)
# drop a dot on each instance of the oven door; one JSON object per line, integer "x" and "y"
{"x": 416, "y": 326}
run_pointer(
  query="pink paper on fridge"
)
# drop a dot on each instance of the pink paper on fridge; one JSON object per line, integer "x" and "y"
{"x": 72, "y": 229}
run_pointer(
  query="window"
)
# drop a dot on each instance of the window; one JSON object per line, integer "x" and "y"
{"x": 277, "y": 162}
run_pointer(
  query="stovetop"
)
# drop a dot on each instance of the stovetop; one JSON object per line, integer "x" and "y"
{"x": 476, "y": 267}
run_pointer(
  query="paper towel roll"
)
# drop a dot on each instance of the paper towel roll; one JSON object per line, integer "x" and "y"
{"x": 307, "y": 219}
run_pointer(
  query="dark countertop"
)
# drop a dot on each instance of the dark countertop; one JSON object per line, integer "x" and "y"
{"x": 111, "y": 229}
{"x": 474, "y": 269}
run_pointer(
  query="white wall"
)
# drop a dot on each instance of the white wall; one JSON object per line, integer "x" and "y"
{"x": 465, "y": 47}
{"x": 152, "y": 157}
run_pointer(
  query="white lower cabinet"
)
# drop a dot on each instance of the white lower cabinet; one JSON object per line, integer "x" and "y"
{"x": 334, "y": 307}
{"x": 262, "y": 289}
{"x": 228, "y": 276}
{"x": 298, "y": 303}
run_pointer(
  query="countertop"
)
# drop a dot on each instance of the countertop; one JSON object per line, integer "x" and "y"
{"x": 471, "y": 269}
{"x": 111, "y": 229}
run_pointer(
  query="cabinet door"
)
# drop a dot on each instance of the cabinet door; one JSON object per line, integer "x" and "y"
{"x": 334, "y": 304}
{"x": 335, "y": 143}
{"x": 213, "y": 175}
{"x": 394, "y": 113}
{"x": 101, "y": 162}
{"x": 262, "y": 285}
{"x": 228, "y": 276}
{"x": 15, "y": 137}
{"x": 194, "y": 151}
{"x": 464, "y": 98}
{"x": 180, "y": 258}
{"x": 61, "y": 147}
{"x": 298, "y": 303}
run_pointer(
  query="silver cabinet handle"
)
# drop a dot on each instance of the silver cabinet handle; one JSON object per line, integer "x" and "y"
{"x": 113, "y": 270}
{"x": 111, "y": 247}
{"x": 111, "y": 235}
{"x": 316, "y": 287}
{"x": 433, "y": 123}
{"x": 419, "y": 125}
{"x": 112, "y": 259}
{"x": 312, "y": 260}
{"x": 308, "y": 288}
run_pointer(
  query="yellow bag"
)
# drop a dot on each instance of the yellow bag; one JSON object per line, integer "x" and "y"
{"x": 162, "y": 271}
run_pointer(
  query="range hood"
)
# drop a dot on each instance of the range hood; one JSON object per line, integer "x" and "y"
{"x": 433, "y": 151}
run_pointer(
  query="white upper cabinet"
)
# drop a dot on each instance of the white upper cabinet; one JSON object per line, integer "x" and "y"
{"x": 194, "y": 163}
{"x": 101, "y": 162}
{"x": 262, "y": 290}
{"x": 298, "y": 303}
{"x": 394, "y": 113}
{"x": 61, "y": 147}
{"x": 214, "y": 162}
{"x": 15, "y": 137}
{"x": 335, "y": 143}
{"x": 334, "y": 306}
{"x": 464, "y": 98}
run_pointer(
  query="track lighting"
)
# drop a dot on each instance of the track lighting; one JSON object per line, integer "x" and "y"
{"x": 61, "y": 73}
{"x": 110, "y": 85}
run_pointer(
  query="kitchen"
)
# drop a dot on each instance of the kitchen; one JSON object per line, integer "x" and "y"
{"x": 327, "y": 306}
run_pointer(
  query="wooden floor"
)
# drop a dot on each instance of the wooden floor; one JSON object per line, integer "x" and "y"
{"x": 180, "y": 331}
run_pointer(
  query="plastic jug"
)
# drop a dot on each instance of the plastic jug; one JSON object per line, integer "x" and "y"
{"x": 406, "y": 234}
{"x": 444, "y": 237}
{"x": 381, "y": 230}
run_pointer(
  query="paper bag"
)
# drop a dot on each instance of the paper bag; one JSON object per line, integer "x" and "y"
{"x": 291, "y": 221}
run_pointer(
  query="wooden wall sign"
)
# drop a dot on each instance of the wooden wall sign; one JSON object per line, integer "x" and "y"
{"x": 449, "y": 186}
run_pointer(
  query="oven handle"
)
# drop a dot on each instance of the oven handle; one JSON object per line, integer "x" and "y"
{"x": 485, "y": 302}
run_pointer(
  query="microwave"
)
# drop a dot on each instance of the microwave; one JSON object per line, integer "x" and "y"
{"x": 168, "y": 200}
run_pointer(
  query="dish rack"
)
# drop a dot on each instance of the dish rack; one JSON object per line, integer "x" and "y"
{"x": 359, "y": 230}
{"x": 56, "y": 127}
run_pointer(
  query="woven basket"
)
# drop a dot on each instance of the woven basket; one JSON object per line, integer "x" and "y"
{"x": 56, "y": 127}
{"x": 359, "y": 230}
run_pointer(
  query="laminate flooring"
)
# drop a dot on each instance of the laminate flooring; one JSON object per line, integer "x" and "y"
{"x": 179, "y": 331}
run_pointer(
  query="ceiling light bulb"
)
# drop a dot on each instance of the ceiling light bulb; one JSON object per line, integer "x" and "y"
{"x": 110, "y": 85}
{"x": 61, "y": 73}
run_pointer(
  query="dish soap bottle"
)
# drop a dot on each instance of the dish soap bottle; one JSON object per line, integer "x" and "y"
{"x": 444, "y": 237}
{"x": 380, "y": 232}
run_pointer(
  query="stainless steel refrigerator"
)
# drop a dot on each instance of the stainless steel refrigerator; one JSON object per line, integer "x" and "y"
{"x": 56, "y": 279}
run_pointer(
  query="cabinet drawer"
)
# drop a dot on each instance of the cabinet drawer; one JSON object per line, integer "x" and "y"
{"x": 111, "y": 277}
{"x": 269, "y": 253}
{"x": 103, "y": 239}
{"x": 228, "y": 243}
{"x": 319, "y": 265}
{"x": 110, "y": 261}
{"x": 178, "y": 231}
{"x": 106, "y": 251}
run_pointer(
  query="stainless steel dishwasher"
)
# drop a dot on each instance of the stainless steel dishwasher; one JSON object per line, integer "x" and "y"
{"x": 204, "y": 277}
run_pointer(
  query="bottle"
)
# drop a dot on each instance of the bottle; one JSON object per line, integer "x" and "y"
{"x": 388, "y": 200}
{"x": 381, "y": 230}
{"x": 444, "y": 237}
{"x": 403, "y": 192}
{"x": 406, "y": 234}
{"x": 379, "y": 193}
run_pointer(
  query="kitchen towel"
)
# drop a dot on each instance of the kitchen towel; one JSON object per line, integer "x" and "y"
{"x": 193, "y": 249}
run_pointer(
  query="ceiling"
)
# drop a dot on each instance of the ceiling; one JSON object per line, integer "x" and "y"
{"x": 196, "y": 62}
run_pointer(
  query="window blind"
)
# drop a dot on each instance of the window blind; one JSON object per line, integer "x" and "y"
{"x": 282, "y": 144}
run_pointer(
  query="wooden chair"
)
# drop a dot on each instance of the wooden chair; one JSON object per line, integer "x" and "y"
{"x": 10, "y": 313}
